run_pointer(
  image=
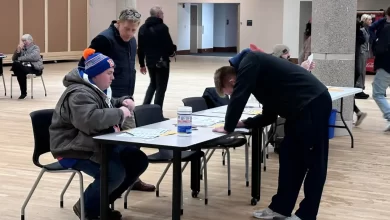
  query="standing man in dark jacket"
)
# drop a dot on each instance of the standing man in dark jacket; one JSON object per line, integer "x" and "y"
{"x": 118, "y": 43}
{"x": 155, "y": 44}
{"x": 290, "y": 91}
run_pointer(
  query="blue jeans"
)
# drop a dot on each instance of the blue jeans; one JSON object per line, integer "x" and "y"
{"x": 126, "y": 164}
{"x": 379, "y": 85}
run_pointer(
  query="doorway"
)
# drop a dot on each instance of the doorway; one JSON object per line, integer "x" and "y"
{"x": 194, "y": 29}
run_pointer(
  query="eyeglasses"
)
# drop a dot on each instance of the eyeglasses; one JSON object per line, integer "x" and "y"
{"x": 129, "y": 13}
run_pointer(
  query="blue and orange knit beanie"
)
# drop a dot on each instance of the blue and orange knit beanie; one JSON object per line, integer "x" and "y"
{"x": 96, "y": 63}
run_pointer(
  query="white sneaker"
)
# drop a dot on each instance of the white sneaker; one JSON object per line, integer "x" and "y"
{"x": 267, "y": 214}
{"x": 387, "y": 127}
{"x": 360, "y": 117}
{"x": 293, "y": 217}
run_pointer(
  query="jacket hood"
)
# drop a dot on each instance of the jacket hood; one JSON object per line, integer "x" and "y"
{"x": 74, "y": 77}
{"x": 236, "y": 60}
{"x": 152, "y": 21}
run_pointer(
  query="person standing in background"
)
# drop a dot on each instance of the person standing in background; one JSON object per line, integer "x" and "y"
{"x": 366, "y": 21}
{"x": 118, "y": 43}
{"x": 360, "y": 40}
{"x": 156, "y": 46}
{"x": 306, "y": 44}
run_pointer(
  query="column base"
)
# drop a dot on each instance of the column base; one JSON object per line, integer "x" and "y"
{"x": 343, "y": 131}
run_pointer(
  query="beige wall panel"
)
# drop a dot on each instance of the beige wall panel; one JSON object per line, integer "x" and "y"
{"x": 9, "y": 21}
{"x": 34, "y": 21}
{"x": 78, "y": 25}
{"x": 58, "y": 25}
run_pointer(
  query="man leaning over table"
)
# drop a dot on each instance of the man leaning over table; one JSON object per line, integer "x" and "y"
{"x": 290, "y": 91}
{"x": 86, "y": 109}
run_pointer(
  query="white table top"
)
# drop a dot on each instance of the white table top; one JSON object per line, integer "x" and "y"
{"x": 342, "y": 92}
{"x": 170, "y": 142}
{"x": 221, "y": 112}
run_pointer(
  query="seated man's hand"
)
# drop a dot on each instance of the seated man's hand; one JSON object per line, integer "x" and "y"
{"x": 126, "y": 112}
{"x": 129, "y": 104}
{"x": 240, "y": 124}
{"x": 219, "y": 130}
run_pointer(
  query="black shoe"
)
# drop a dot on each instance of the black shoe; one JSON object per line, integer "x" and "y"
{"x": 112, "y": 214}
{"x": 362, "y": 95}
{"x": 23, "y": 96}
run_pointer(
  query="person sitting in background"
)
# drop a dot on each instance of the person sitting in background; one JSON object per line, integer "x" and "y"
{"x": 86, "y": 109}
{"x": 26, "y": 60}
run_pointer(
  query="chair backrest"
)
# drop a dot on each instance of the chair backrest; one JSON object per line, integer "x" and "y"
{"x": 212, "y": 98}
{"x": 148, "y": 114}
{"x": 197, "y": 103}
{"x": 41, "y": 121}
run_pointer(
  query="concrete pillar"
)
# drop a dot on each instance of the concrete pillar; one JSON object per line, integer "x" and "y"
{"x": 333, "y": 46}
{"x": 123, "y": 4}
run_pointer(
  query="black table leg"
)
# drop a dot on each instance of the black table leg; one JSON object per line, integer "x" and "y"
{"x": 345, "y": 124}
{"x": 176, "y": 188}
{"x": 256, "y": 165}
{"x": 195, "y": 176}
{"x": 104, "y": 184}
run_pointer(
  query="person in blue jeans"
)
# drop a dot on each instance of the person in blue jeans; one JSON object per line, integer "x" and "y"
{"x": 382, "y": 67}
{"x": 87, "y": 109}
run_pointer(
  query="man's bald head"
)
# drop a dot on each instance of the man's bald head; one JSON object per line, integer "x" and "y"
{"x": 156, "y": 11}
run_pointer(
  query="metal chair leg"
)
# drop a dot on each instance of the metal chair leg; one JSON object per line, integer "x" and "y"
{"x": 208, "y": 158}
{"x": 247, "y": 164}
{"x": 5, "y": 88}
{"x": 206, "y": 197}
{"x": 228, "y": 167}
{"x": 32, "y": 87}
{"x": 64, "y": 190}
{"x": 11, "y": 85}
{"x": 160, "y": 180}
{"x": 81, "y": 180}
{"x": 43, "y": 170}
{"x": 44, "y": 87}
{"x": 126, "y": 195}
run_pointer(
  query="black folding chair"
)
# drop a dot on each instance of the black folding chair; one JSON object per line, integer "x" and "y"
{"x": 41, "y": 121}
{"x": 226, "y": 143}
{"x": 150, "y": 114}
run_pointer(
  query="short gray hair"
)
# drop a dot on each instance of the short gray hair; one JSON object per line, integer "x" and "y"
{"x": 130, "y": 14}
{"x": 155, "y": 11}
{"x": 27, "y": 37}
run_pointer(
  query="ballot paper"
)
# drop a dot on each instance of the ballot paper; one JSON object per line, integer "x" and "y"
{"x": 310, "y": 59}
{"x": 147, "y": 133}
{"x": 199, "y": 121}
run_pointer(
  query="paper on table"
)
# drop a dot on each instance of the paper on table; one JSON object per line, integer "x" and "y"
{"x": 148, "y": 133}
{"x": 332, "y": 89}
{"x": 252, "y": 111}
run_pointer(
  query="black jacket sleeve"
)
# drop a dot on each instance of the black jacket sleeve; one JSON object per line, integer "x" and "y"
{"x": 100, "y": 44}
{"x": 360, "y": 38}
{"x": 167, "y": 38}
{"x": 141, "y": 47}
{"x": 245, "y": 84}
{"x": 266, "y": 118}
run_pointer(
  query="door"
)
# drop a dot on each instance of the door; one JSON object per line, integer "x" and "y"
{"x": 194, "y": 29}
{"x": 238, "y": 28}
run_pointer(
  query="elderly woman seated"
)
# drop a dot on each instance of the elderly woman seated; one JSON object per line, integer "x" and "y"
{"x": 26, "y": 60}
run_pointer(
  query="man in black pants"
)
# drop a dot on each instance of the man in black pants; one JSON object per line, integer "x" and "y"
{"x": 155, "y": 44}
{"x": 290, "y": 91}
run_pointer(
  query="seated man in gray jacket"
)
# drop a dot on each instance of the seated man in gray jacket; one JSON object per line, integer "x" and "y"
{"x": 86, "y": 109}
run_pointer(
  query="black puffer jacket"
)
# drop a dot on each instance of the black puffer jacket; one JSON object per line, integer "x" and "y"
{"x": 154, "y": 42}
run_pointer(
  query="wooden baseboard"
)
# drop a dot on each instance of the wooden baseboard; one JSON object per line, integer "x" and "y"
{"x": 183, "y": 52}
{"x": 225, "y": 49}
{"x": 206, "y": 50}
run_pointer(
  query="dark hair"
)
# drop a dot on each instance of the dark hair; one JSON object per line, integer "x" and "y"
{"x": 308, "y": 30}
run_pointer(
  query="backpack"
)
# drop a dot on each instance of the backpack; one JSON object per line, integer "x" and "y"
{"x": 382, "y": 44}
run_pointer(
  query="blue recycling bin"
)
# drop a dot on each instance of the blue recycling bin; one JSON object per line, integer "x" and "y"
{"x": 332, "y": 121}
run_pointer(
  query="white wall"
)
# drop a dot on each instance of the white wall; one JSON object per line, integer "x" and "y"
{"x": 208, "y": 25}
{"x": 183, "y": 26}
{"x": 225, "y": 35}
{"x": 101, "y": 13}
